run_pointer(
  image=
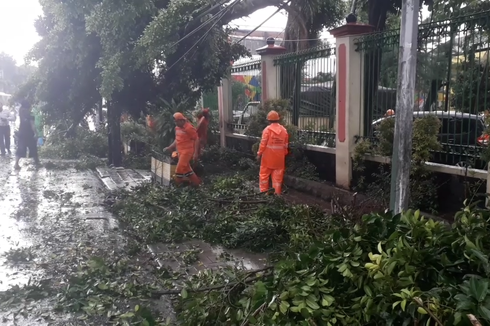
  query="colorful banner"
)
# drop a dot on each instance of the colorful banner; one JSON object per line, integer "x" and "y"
{"x": 253, "y": 89}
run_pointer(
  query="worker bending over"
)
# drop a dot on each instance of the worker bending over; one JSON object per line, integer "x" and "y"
{"x": 202, "y": 130}
{"x": 187, "y": 145}
{"x": 274, "y": 146}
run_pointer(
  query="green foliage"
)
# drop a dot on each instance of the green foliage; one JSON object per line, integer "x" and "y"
{"x": 384, "y": 270}
{"x": 258, "y": 122}
{"x": 471, "y": 86}
{"x": 86, "y": 143}
{"x": 423, "y": 189}
{"x": 225, "y": 211}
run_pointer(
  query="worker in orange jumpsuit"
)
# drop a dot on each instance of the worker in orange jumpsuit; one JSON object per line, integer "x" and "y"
{"x": 202, "y": 129}
{"x": 274, "y": 146}
{"x": 187, "y": 145}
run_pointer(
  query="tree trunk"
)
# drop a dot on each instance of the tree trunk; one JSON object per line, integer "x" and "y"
{"x": 72, "y": 130}
{"x": 114, "y": 134}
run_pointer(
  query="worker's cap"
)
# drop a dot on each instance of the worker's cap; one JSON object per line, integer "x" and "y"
{"x": 179, "y": 116}
{"x": 205, "y": 111}
{"x": 273, "y": 116}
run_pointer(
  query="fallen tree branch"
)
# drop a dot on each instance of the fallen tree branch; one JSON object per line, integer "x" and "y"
{"x": 419, "y": 302}
{"x": 473, "y": 320}
{"x": 244, "y": 196}
{"x": 217, "y": 287}
{"x": 223, "y": 201}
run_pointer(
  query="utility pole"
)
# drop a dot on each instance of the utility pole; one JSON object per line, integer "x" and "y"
{"x": 405, "y": 98}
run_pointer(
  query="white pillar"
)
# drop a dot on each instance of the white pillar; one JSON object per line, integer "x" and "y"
{"x": 349, "y": 99}
{"x": 225, "y": 109}
{"x": 270, "y": 79}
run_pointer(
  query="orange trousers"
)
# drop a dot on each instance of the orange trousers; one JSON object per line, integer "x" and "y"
{"x": 183, "y": 170}
{"x": 277, "y": 178}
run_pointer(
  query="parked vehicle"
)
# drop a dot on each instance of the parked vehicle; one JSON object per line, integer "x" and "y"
{"x": 243, "y": 117}
{"x": 462, "y": 135}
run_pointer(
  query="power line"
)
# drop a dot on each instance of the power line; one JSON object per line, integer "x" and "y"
{"x": 221, "y": 12}
{"x": 265, "y": 21}
{"x": 205, "y": 34}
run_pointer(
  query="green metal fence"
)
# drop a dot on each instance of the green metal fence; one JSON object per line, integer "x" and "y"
{"x": 307, "y": 79}
{"x": 452, "y": 82}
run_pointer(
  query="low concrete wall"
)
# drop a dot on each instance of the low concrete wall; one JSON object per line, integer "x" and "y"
{"x": 325, "y": 191}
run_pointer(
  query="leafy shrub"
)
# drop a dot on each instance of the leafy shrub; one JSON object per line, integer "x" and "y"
{"x": 423, "y": 187}
{"x": 385, "y": 270}
{"x": 85, "y": 143}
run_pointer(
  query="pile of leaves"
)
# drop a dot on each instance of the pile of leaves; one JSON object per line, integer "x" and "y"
{"x": 383, "y": 270}
{"x": 86, "y": 143}
{"x": 224, "y": 211}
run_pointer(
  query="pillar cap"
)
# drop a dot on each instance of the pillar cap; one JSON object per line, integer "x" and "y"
{"x": 271, "y": 48}
{"x": 351, "y": 29}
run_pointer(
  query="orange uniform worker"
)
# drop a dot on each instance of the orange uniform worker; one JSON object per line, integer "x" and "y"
{"x": 187, "y": 144}
{"x": 272, "y": 153}
{"x": 202, "y": 129}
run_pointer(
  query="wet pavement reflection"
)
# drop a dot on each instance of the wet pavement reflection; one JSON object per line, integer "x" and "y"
{"x": 42, "y": 218}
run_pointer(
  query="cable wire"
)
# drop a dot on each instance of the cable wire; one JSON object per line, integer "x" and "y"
{"x": 221, "y": 12}
{"x": 265, "y": 21}
{"x": 205, "y": 34}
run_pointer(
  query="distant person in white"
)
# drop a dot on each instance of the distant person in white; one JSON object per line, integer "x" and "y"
{"x": 5, "y": 118}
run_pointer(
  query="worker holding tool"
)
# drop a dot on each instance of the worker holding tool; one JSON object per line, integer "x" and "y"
{"x": 202, "y": 129}
{"x": 274, "y": 146}
{"x": 187, "y": 144}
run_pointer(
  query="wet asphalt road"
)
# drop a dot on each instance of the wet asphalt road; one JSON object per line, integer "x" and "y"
{"x": 42, "y": 215}
{"x": 45, "y": 214}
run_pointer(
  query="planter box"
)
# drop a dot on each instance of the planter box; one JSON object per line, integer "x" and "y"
{"x": 162, "y": 170}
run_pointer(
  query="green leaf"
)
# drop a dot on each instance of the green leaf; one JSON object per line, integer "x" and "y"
{"x": 403, "y": 304}
{"x": 368, "y": 290}
{"x": 422, "y": 311}
{"x": 327, "y": 300}
{"x": 484, "y": 312}
{"x": 469, "y": 243}
{"x": 184, "y": 294}
{"x": 478, "y": 289}
{"x": 312, "y": 304}
{"x": 283, "y": 307}
{"x": 127, "y": 315}
{"x": 136, "y": 308}
{"x": 102, "y": 286}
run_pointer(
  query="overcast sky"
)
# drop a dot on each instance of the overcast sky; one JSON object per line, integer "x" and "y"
{"x": 18, "y": 35}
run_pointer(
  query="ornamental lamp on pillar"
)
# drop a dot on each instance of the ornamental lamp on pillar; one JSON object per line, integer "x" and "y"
{"x": 270, "y": 73}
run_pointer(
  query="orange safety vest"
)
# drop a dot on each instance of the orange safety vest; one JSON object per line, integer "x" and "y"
{"x": 274, "y": 146}
{"x": 185, "y": 138}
